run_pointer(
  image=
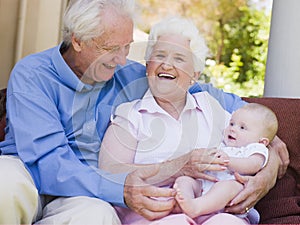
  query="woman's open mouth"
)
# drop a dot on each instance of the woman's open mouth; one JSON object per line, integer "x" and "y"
{"x": 166, "y": 76}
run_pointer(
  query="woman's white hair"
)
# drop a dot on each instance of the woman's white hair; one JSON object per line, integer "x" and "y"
{"x": 82, "y": 18}
{"x": 180, "y": 26}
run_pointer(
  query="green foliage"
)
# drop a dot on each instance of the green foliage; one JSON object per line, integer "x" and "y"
{"x": 223, "y": 76}
{"x": 236, "y": 33}
{"x": 240, "y": 67}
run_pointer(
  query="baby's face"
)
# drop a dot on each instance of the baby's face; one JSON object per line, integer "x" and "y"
{"x": 244, "y": 128}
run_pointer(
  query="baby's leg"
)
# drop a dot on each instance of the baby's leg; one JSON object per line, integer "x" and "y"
{"x": 187, "y": 189}
{"x": 214, "y": 200}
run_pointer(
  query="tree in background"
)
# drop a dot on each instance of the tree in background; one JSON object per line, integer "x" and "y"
{"x": 236, "y": 32}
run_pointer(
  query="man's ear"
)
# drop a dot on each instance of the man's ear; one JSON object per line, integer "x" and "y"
{"x": 146, "y": 69}
{"x": 264, "y": 141}
{"x": 76, "y": 44}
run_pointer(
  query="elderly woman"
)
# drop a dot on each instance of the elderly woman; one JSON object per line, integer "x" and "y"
{"x": 169, "y": 123}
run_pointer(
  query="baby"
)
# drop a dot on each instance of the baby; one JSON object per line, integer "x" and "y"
{"x": 250, "y": 130}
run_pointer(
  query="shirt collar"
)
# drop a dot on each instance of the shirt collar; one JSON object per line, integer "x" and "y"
{"x": 149, "y": 104}
{"x": 68, "y": 77}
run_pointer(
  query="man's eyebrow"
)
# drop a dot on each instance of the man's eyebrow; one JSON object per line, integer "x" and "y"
{"x": 113, "y": 44}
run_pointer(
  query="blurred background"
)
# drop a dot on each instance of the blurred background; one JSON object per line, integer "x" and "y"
{"x": 236, "y": 31}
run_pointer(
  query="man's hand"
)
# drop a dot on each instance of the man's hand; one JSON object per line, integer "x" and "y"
{"x": 280, "y": 147}
{"x": 255, "y": 187}
{"x": 149, "y": 201}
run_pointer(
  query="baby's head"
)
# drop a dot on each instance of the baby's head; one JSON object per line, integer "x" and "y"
{"x": 253, "y": 123}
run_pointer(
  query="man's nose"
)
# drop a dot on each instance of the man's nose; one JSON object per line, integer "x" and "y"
{"x": 121, "y": 55}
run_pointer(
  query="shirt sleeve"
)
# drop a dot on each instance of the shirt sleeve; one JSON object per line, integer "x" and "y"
{"x": 230, "y": 102}
{"x": 43, "y": 146}
{"x": 127, "y": 117}
{"x": 258, "y": 148}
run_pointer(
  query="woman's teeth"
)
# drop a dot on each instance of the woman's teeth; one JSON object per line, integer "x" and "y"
{"x": 165, "y": 75}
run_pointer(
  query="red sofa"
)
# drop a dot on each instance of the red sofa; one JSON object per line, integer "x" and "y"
{"x": 2, "y": 112}
{"x": 282, "y": 204}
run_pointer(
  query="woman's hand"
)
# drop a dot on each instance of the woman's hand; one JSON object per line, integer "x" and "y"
{"x": 200, "y": 160}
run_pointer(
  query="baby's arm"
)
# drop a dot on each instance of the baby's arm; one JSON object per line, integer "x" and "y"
{"x": 249, "y": 165}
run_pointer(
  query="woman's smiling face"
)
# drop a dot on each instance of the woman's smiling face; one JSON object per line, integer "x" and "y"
{"x": 170, "y": 67}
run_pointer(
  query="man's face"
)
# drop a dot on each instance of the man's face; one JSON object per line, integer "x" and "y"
{"x": 99, "y": 57}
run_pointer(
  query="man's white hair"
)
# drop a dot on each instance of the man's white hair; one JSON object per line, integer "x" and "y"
{"x": 83, "y": 18}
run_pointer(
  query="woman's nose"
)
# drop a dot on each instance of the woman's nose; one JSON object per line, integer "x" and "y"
{"x": 167, "y": 64}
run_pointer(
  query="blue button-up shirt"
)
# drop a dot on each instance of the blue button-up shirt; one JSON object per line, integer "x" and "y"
{"x": 55, "y": 123}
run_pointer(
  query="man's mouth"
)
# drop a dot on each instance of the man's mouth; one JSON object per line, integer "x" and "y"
{"x": 109, "y": 66}
{"x": 166, "y": 76}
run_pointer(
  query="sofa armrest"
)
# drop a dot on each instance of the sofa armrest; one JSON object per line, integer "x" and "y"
{"x": 2, "y": 112}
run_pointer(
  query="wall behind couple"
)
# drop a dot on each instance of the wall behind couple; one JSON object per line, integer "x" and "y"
{"x": 237, "y": 33}
{"x": 27, "y": 26}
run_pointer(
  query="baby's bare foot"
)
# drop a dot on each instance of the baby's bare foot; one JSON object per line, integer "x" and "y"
{"x": 186, "y": 204}
{"x": 179, "y": 196}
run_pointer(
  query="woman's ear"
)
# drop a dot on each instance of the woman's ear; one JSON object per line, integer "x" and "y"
{"x": 196, "y": 76}
{"x": 264, "y": 141}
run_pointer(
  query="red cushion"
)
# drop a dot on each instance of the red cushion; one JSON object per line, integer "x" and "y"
{"x": 282, "y": 203}
{"x": 2, "y": 112}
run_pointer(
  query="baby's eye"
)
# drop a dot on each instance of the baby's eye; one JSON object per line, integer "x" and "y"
{"x": 231, "y": 124}
{"x": 243, "y": 128}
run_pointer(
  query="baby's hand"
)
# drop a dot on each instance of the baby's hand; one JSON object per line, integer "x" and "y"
{"x": 223, "y": 156}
